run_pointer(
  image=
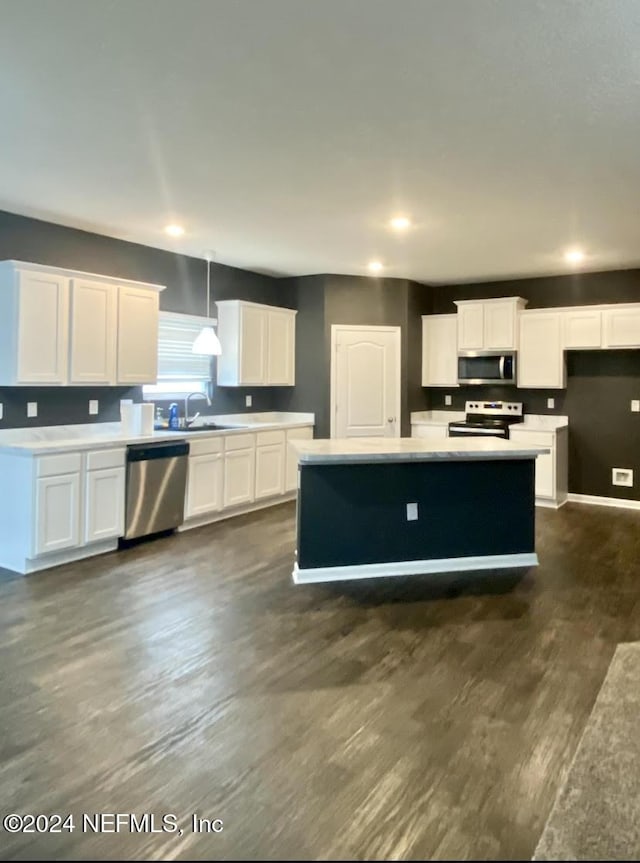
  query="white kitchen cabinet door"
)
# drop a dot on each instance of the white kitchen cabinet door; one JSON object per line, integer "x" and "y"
{"x": 439, "y": 351}
{"x": 430, "y": 432}
{"x": 253, "y": 345}
{"x": 291, "y": 480}
{"x": 269, "y": 470}
{"x": 104, "y": 504}
{"x": 43, "y": 328}
{"x": 621, "y": 327}
{"x": 281, "y": 335}
{"x": 138, "y": 312}
{"x": 545, "y": 480}
{"x": 582, "y": 328}
{"x": 541, "y": 361}
{"x": 500, "y": 323}
{"x": 239, "y": 476}
{"x": 57, "y": 513}
{"x": 471, "y": 326}
{"x": 93, "y": 332}
{"x": 204, "y": 484}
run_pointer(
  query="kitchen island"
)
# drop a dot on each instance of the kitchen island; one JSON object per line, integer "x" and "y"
{"x": 372, "y": 507}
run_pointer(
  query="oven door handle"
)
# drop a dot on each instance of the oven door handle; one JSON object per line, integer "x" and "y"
{"x": 502, "y": 359}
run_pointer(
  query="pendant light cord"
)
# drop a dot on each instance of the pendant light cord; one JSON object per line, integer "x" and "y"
{"x": 208, "y": 284}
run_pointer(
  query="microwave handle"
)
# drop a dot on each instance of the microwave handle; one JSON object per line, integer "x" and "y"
{"x": 502, "y": 359}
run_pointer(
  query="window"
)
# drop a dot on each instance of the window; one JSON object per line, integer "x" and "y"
{"x": 180, "y": 371}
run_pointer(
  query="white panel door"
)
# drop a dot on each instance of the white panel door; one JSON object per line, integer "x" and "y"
{"x": 57, "y": 513}
{"x": 291, "y": 480}
{"x": 365, "y": 382}
{"x": 280, "y": 348}
{"x": 93, "y": 332}
{"x": 541, "y": 355}
{"x": 269, "y": 470}
{"x": 471, "y": 327}
{"x": 204, "y": 484}
{"x": 239, "y": 471}
{"x": 104, "y": 504}
{"x": 582, "y": 328}
{"x": 43, "y": 328}
{"x": 499, "y": 326}
{"x": 621, "y": 328}
{"x": 138, "y": 312}
{"x": 439, "y": 351}
{"x": 253, "y": 345}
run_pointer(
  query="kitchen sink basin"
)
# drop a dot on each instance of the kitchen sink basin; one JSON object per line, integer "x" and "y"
{"x": 200, "y": 428}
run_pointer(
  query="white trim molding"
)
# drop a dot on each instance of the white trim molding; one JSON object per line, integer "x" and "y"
{"x": 595, "y": 500}
{"x": 413, "y": 567}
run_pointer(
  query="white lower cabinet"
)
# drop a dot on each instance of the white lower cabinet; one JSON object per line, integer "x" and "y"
{"x": 291, "y": 471}
{"x": 104, "y": 504}
{"x": 430, "y": 432}
{"x": 239, "y": 470}
{"x": 204, "y": 484}
{"x": 269, "y": 464}
{"x": 57, "y": 513}
{"x": 552, "y": 479}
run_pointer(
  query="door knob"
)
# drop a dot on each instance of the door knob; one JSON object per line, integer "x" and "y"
{"x": 391, "y": 419}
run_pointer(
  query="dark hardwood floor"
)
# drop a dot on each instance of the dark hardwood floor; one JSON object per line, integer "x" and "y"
{"x": 410, "y": 718}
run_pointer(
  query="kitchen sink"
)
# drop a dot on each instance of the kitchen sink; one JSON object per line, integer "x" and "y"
{"x": 200, "y": 428}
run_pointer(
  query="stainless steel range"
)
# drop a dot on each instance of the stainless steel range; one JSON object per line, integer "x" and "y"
{"x": 487, "y": 418}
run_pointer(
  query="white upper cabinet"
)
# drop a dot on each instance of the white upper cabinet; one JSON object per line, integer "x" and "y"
{"x": 489, "y": 325}
{"x": 60, "y": 327}
{"x": 138, "y": 314}
{"x": 93, "y": 332}
{"x": 258, "y": 344}
{"x": 621, "y": 327}
{"x": 541, "y": 360}
{"x": 439, "y": 351}
{"x": 34, "y": 326}
{"x": 582, "y": 328}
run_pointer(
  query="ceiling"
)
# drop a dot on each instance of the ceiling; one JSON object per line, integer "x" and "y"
{"x": 284, "y": 134}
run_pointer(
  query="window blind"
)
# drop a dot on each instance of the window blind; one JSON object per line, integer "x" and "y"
{"x": 176, "y": 361}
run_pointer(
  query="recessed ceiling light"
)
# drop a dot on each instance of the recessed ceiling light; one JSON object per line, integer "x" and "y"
{"x": 374, "y": 266}
{"x": 574, "y": 256}
{"x": 174, "y": 230}
{"x": 400, "y": 223}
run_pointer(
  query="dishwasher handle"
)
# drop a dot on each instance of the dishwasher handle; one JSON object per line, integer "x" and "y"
{"x": 146, "y": 452}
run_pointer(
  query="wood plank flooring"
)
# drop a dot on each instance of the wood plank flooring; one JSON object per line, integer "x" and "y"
{"x": 432, "y": 717}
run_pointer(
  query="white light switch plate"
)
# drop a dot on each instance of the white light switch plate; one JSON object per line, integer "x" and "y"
{"x": 635, "y": 406}
{"x": 551, "y": 403}
{"x": 32, "y": 409}
{"x": 1, "y": 410}
{"x": 447, "y": 401}
{"x": 93, "y": 407}
{"x": 247, "y": 401}
{"x": 412, "y": 512}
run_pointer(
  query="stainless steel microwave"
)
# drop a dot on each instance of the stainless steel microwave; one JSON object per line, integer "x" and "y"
{"x": 487, "y": 367}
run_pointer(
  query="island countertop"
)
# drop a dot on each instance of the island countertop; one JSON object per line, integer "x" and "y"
{"x": 368, "y": 450}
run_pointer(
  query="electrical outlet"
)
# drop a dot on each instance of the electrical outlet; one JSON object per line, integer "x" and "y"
{"x": 622, "y": 476}
{"x": 412, "y": 512}
{"x": 635, "y": 406}
{"x": 247, "y": 401}
{"x": 447, "y": 401}
{"x": 93, "y": 407}
{"x": 551, "y": 403}
{"x": 32, "y": 409}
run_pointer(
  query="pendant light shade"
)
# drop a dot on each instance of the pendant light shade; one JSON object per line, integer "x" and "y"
{"x": 207, "y": 342}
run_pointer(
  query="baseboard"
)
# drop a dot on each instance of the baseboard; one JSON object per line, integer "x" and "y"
{"x": 71, "y": 555}
{"x": 413, "y": 567}
{"x": 595, "y": 500}
{"x": 550, "y": 504}
{"x": 212, "y": 517}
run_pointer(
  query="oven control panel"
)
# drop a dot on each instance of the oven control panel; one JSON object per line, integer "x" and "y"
{"x": 495, "y": 409}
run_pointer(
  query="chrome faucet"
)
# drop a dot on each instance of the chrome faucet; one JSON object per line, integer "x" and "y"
{"x": 199, "y": 395}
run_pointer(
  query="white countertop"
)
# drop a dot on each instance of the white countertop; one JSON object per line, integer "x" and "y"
{"x": 369, "y": 450}
{"x": 532, "y": 422}
{"x": 56, "y": 439}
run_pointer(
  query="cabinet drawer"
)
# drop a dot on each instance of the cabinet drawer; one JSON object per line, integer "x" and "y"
{"x": 430, "y": 432}
{"x": 56, "y": 465}
{"x": 207, "y": 445}
{"x": 105, "y": 458}
{"x": 269, "y": 437}
{"x": 535, "y": 438}
{"x": 238, "y": 441}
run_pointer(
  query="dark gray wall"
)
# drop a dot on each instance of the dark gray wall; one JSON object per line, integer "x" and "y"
{"x": 39, "y": 242}
{"x": 603, "y": 433}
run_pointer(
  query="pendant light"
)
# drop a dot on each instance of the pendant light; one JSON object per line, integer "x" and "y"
{"x": 206, "y": 341}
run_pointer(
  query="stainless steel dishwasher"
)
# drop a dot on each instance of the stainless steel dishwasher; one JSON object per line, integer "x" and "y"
{"x": 156, "y": 484}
